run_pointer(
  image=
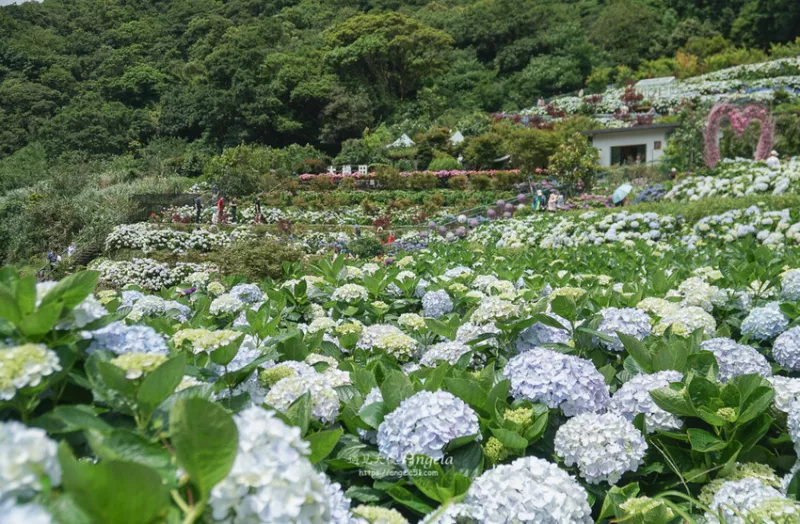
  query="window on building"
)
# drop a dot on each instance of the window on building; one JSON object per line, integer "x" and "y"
{"x": 629, "y": 154}
{"x": 657, "y": 145}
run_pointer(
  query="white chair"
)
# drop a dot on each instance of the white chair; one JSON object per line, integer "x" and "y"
{"x": 346, "y": 170}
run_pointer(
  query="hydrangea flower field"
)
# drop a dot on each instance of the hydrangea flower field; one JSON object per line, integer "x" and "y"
{"x": 576, "y": 368}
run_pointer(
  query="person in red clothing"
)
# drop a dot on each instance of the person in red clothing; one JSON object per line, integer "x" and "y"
{"x": 220, "y": 209}
{"x": 391, "y": 238}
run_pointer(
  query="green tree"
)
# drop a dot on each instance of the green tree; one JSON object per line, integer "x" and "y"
{"x": 395, "y": 53}
{"x": 531, "y": 148}
{"x": 483, "y": 150}
{"x": 575, "y": 164}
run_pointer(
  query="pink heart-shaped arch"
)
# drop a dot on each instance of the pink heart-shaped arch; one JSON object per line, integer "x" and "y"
{"x": 740, "y": 118}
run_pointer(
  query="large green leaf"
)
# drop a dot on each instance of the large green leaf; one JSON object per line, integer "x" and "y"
{"x": 395, "y": 389}
{"x": 73, "y": 289}
{"x": 205, "y": 439}
{"x": 467, "y": 390}
{"x": 322, "y": 443}
{"x": 299, "y": 412}
{"x": 113, "y": 491}
{"x": 160, "y": 383}
{"x": 131, "y": 447}
{"x": 705, "y": 442}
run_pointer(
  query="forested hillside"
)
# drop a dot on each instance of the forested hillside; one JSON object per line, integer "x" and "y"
{"x": 107, "y": 77}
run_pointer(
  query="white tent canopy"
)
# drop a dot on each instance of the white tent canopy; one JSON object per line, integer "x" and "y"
{"x": 403, "y": 141}
{"x": 457, "y": 138}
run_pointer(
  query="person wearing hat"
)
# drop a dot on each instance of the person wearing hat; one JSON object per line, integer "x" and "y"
{"x": 773, "y": 161}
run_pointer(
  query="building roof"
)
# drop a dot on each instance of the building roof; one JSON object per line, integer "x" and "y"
{"x": 629, "y": 129}
{"x": 403, "y": 141}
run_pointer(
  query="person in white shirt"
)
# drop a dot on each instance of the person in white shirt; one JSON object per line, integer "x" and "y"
{"x": 773, "y": 161}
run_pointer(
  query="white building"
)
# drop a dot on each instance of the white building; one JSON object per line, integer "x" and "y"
{"x": 403, "y": 141}
{"x": 629, "y": 145}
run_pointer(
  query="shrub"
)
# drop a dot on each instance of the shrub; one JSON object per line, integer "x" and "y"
{"x": 348, "y": 184}
{"x": 365, "y": 247}
{"x": 256, "y": 260}
{"x": 458, "y": 182}
{"x": 322, "y": 183}
{"x": 506, "y": 180}
{"x": 389, "y": 178}
{"x": 444, "y": 163}
{"x": 423, "y": 181}
{"x": 480, "y": 182}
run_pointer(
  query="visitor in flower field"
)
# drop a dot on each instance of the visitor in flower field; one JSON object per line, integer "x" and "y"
{"x": 552, "y": 202}
{"x": 220, "y": 208}
{"x": 673, "y": 174}
{"x": 773, "y": 161}
{"x": 357, "y": 231}
{"x": 197, "y": 208}
{"x": 233, "y": 210}
{"x": 258, "y": 210}
{"x": 391, "y": 238}
{"x": 538, "y": 203}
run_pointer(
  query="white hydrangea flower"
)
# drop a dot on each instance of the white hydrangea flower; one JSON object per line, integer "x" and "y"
{"x": 25, "y": 366}
{"x": 450, "y": 352}
{"x": 567, "y": 382}
{"x": 120, "y": 338}
{"x": 136, "y": 365}
{"x": 204, "y": 340}
{"x": 697, "y": 292}
{"x": 787, "y": 391}
{"x": 786, "y": 349}
{"x": 26, "y": 454}
{"x": 226, "y": 304}
{"x": 629, "y": 321}
{"x": 539, "y": 334}
{"x": 736, "y": 359}
{"x": 149, "y": 305}
{"x": 338, "y": 502}
{"x": 271, "y": 479}
{"x": 685, "y": 320}
{"x": 89, "y": 310}
{"x": 436, "y": 303}
{"x": 790, "y": 285}
{"x": 321, "y": 324}
{"x": 468, "y": 331}
{"x": 350, "y": 293}
{"x": 388, "y": 338}
{"x": 424, "y": 424}
{"x": 634, "y": 398}
{"x": 492, "y": 309}
{"x": 739, "y": 497}
{"x": 411, "y": 321}
{"x": 765, "y": 323}
{"x": 603, "y": 446}
{"x": 529, "y": 489}
{"x": 324, "y": 399}
{"x": 13, "y": 513}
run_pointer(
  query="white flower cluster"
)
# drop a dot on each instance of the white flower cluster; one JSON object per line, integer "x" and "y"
{"x": 120, "y": 338}
{"x": 424, "y": 424}
{"x": 736, "y": 499}
{"x": 411, "y": 321}
{"x": 529, "y": 489}
{"x": 603, "y": 446}
{"x": 736, "y": 359}
{"x": 271, "y": 479}
{"x": 567, "y": 382}
{"x": 630, "y": 321}
{"x": 204, "y": 340}
{"x": 765, "y": 323}
{"x": 388, "y": 338}
{"x": 227, "y": 304}
{"x": 634, "y": 398}
{"x": 790, "y": 285}
{"x": 324, "y": 399}
{"x": 738, "y": 179}
{"x": 451, "y": 352}
{"x": 26, "y": 455}
{"x": 25, "y": 366}
{"x": 539, "y": 334}
{"x": 436, "y": 303}
{"x": 151, "y": 237}
{"x": 787, "y": 391}
{"x": 494, "y": 308}
{"x": 786, "y": 349}
{"x": 350, "y": 293}
{"x": 146, "y": 273}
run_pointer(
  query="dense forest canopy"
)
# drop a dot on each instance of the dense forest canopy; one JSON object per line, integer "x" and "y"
{"x": 108, "y": 76}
